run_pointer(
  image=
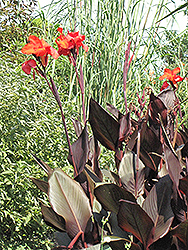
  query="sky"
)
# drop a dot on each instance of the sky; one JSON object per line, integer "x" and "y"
{"x": 182, "y": 20}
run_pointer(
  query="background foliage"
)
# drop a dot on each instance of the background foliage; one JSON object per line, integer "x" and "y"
{"x": 30, "y": 121}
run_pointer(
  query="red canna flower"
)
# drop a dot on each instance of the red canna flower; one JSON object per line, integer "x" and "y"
{"x": 69, "y": 42}
{"x": 39, "y": 48}
{"x": 28, "y": 65}
{"x": 172, "y": 76}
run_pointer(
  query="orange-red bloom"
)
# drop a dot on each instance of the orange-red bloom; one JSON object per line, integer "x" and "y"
{"x": 39, "y": 48}
{"x": 71, "y": 41}
{"x": 172, "y": 76}
{"x": 28, "y": 65}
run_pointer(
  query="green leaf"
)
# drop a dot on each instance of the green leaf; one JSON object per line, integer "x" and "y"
{"x": 174, "y": 11}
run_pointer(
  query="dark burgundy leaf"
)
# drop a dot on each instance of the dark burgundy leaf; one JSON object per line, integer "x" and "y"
{"x": 114, "y": 228}
{"x": 132, "y": 218}
{"x": 150, "y": 147}
{"x": 147, "y": 159}
{"x": 94, "y": 152}
{"x": 132, "y": 140}
{"x": 63, "y": 240}
{"x": 43, "y": 165}
{"x": 166, "y": 139}
{"x": 163, "y": 243}
{"x": 105, "y": 128}
{"x": 185, "y": 150}
{"x": 173, "y": 166}
{"x": 132, "y": 180}
{"x": 181, "y": 231}
{"x": 80, "y": 150}
{"x": 125, "y": 126}
{"x": 92, "y": 175}
{"x": 92, "y": 232}
{"x": 42, "y": 185}
{"x": 168, "y": 98}
{"x": 116, "y": 113}
{"x": 156, "y": 106}
{"x": 184, "y": 134}
{"x": 113, "y": 177}
{"x": 68, "y": 199}
{"x": 110, "y": 194}
{"x": 183, "y": 185}
{"x": 52, "y": 218}
{"x": 158, "y": 206}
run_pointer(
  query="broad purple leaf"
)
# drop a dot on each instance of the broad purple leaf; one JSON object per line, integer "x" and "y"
{"x": 150, "y": 147}
{"x": 110, "y": 194}
{"x": 185, "y": 150}
{"x": 132, "y": 179}
{"x": 132, "y": 140}
{"x": 94, "y": 152}
{"x": 80, "y": 150}
{"x": 166, "y": 139}
{"x": 42, "y": 185}
{"x": 68, "y": 199}
{"x": 92, "y": 174}
{"x": 52, "y": 218}
{"x": 168, "y": 97}
{"x": 132, "y": 218}
{"x": 173, "y": 166}
{"x": 156, "y": 106}
{"x": 125, "y": 126}
{"x": 158, "y": 206}
{"x": 183, "y": 185}
{"x": 181, "y": 231}
{"x": 105, "y": 128}
{"x": 113, "y": 177}
{"x": 114, "y": 111}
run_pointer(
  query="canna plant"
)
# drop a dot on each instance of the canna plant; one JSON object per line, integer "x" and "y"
{"x": 141, "y": 205}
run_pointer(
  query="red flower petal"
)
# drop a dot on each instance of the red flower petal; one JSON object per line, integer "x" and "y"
{"x": 39, "y": 48}
{"x": 28, "y": 65}
{"x": 60, "y": 30}
{"x": 176, "y": 71}
{"x": 71, "y": 41}
{"x": 164, "y": 86}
